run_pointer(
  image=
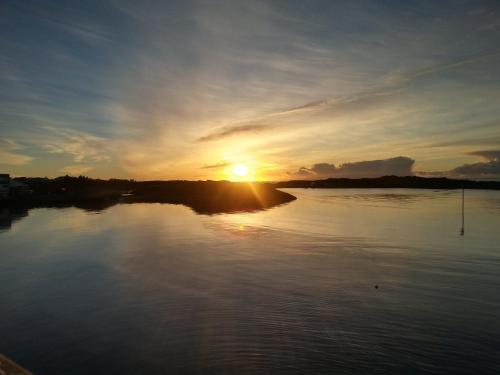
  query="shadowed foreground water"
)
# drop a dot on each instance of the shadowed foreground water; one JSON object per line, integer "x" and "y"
{"x": 152, "y": 288}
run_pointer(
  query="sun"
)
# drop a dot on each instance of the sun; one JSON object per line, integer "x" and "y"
{"x": 240, "y": 170}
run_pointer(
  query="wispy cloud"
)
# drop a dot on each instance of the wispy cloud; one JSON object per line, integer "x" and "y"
{"x": 233, "y": 130}
{"x": 391, "y": 85}
{"x": 10, "y": 153}
{"x": 76, "y": 23}
{"x": 76, "y": 170}
{"x": 82, "y": 147}
{"x": 400, "y": 79}
{"x": 159, "y": 90}
{"x": 219, "y": 165}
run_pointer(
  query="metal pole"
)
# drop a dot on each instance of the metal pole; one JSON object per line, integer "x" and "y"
{"x": 462, "y": 230}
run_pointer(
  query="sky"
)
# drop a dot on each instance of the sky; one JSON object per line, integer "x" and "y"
{"x": 292, "y": 89}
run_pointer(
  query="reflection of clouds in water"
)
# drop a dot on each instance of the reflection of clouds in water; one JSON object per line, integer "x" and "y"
{"x": 224, "y": 280}
{"x": 236, "y": 229}
{"x": 489, "y": 203}
{"x": 213, "y": 292}
{"x": 387, "y": 200}
{"x": 296, "y": 242}
{"x": 223, "y": 253}
{"x": 383, "y": 197}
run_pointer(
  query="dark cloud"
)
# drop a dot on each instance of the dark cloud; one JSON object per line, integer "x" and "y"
{"x": 490, "y": 155}
{"x": 302, "y": 172}
{"x": 233, "y": 130}
{"x": 219, "y": 165}
{"x": 488, "y": 169}
{"x": 324, "y": 168}
{"x": 398, "y": 166}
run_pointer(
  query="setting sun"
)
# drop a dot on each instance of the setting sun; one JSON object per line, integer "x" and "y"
{"x": 240, "y": 170}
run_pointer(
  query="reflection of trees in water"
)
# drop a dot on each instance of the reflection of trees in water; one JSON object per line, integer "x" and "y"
{"x": 9, "y": 215}
{"x": 206, "y": 206}
{"x": 203, "y": 197}
{"x": 97, "y": 205}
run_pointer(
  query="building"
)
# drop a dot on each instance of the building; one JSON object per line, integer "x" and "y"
{"x": 4, "y": 185}
{"x": 10, "y": 187}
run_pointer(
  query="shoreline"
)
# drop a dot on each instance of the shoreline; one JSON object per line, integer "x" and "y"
{"x": 203, "y": 197}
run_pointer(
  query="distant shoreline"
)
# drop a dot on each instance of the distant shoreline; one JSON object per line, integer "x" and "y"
{"x": 204, "y": 197}
{"x": 391, "y": 182}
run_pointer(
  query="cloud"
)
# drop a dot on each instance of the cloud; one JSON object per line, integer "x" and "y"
{"x": 76, "y": 170}
{"x": 408, "y": 77}
{"x": 11, "y": 158}
{"x": 308, "y": 106}
{"x": 398, "y": 166}
{"x": 488, "y": 169}
{"x": 83, "y": 147}
{"x": 159, "y": 80}
{"x": 324, "y": 168}
{"x": 233, "y": 130}
{"x": 485, "y": 139}
{"x": 340, "y": 101}
{"x": 489, "y": 155}
{"x": 302, "y": 172}
{"x": 391, "y": 86}
{"x": 218, "y": 165}
{"x": 9, "y": 154}
{"x": 262, "y": 123}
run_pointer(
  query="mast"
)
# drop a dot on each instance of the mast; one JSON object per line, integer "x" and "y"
{"x": 462, "y": 230}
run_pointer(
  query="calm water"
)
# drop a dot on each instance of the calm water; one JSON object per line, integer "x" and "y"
{"x": 156, "y": 289}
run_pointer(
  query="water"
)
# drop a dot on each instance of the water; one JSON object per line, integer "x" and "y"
{"x": 156, "y": 289}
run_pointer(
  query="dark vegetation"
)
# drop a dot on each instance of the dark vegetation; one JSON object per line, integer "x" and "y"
{"x": 204, "y": 197}
{"x": 410, "y": 182}
{"x": 207, "y": 197}
{"x": 210, "y": 197}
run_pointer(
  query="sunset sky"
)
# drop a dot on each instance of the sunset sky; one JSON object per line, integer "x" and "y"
{"x": 290, "y": 89}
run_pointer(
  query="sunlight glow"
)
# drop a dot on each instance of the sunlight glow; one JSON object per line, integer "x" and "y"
{"x": 240, "y": 170}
